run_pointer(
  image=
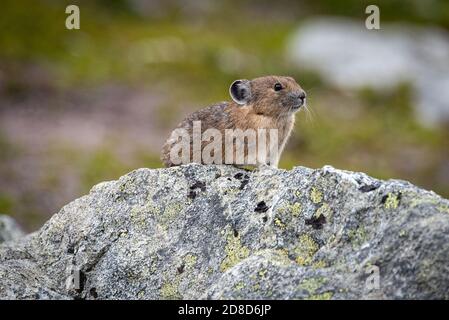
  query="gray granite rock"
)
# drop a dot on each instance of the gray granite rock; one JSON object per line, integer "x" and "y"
{"x": 218, "y": 232}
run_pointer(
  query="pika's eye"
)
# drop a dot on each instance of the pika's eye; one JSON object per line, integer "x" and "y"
{"x": 277, "y": 86}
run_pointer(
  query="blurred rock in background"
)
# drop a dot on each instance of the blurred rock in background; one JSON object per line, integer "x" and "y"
{"x": 9, "y": 229}
{"x": 349, "y": 56}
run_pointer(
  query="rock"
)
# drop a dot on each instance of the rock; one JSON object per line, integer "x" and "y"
{"x": 349, "y": 56}
{"x": 299, "y": 234}
{"x": 9, "y": 229}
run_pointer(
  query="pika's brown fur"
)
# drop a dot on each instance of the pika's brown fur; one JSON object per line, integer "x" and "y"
{"x": 268, "y": 102}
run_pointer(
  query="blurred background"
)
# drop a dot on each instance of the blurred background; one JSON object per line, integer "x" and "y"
{"x": 78, "y": 107}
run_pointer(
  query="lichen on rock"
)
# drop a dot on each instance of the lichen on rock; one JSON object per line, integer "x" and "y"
{"x": 234, "y": 250}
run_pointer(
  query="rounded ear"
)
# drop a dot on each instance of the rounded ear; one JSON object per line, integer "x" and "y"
{"x": 240, "y": 91}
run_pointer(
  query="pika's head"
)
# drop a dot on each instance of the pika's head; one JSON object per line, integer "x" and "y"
{"x": 270, "y": 95}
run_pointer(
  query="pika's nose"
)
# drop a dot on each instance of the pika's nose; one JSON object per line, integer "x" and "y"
{"x": 299, "y": 95}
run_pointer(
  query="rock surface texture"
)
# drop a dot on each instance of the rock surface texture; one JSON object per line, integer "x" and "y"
{"x": 218, "y": 232}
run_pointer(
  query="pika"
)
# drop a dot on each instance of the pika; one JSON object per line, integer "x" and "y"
{"x": 252, "y": 129}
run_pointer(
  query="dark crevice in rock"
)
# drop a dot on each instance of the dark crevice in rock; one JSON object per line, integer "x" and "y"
{"x": 191, "y": 195}
{"x": 193, "y": 192}
{"x": 93, "y": 293}
{"x": 316, "y": 222}
{"x": 243, "y": 183}
{"x": 71, "y": 248}
{"x": 369, "y": 187}
{"x": 198, "y": 185}
{"x": 238, "y": 176}
{"x": 261, "y": 207}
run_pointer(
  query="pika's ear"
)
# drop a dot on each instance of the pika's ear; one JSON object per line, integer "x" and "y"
{"x": 240, "y": 91}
